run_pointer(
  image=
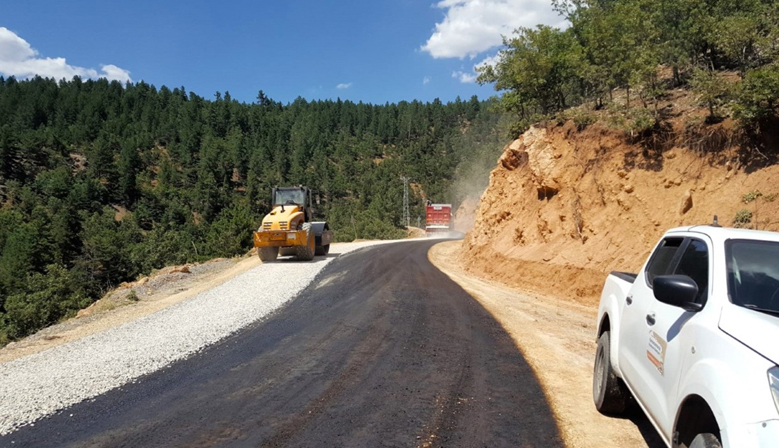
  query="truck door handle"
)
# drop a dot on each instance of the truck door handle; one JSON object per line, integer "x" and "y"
{"x": 650, "y": 319}
{"x": 629, "y": 300}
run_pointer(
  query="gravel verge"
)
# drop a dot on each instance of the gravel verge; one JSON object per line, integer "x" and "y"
{"x": 41, "y": 384}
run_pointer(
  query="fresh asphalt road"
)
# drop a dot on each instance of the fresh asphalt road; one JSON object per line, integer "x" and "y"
{"x": 382, "y": 349}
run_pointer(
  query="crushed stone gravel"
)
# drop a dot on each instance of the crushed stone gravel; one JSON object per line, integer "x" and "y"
{"x": 44, "y": 383}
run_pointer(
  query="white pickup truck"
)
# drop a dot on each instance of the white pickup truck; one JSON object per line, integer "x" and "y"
{"x": 694, "y": 338}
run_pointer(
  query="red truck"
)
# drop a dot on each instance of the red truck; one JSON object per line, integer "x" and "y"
{"x": 438, "y": 218}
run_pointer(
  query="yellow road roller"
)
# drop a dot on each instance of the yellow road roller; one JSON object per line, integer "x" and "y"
{"x": 289, "y": 229}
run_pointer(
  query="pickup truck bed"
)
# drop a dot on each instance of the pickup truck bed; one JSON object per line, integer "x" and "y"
{"x": 626, "y": 276}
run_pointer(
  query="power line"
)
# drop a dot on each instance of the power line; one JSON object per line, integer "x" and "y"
{"x": 406, "y": 214}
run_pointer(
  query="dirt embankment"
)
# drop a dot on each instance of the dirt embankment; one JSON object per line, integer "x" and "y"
{"x": 564, "y": 207}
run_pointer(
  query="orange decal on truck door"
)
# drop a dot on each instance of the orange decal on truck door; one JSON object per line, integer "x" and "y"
{"x": 655, "y": 352}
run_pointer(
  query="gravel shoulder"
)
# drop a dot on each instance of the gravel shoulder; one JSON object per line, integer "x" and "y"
{"x": 83, "y": 358}
{"x": 556, "y": 337}
{"x": 161, "y": 291}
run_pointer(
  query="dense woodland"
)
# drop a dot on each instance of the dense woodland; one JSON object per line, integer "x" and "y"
{"x": 726, "y": 51}
{"x": 102, "y": 182}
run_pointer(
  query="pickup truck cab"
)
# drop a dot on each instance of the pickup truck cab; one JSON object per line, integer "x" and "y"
{"x": 694, "y": 338}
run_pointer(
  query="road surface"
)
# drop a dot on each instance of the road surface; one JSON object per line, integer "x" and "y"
{"x": 381, "y": 350}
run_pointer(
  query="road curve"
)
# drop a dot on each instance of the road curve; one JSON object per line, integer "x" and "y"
{"x": 381, "y": 350}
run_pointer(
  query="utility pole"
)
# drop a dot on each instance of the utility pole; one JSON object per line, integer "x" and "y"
{"x": 406, "y": 214}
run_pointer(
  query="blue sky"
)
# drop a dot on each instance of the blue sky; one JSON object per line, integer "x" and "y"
{"x": 372, "y": 50}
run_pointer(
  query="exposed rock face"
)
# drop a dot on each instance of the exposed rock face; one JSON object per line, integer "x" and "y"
{"x": 563, "y": 208}
{"x": 534, "y": 150}
{"x": 513, "y": 157}
{"x": 686, "y": 203}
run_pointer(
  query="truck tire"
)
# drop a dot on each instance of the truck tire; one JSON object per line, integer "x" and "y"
{"x": 323, "y": 250}
{"x": 268, "y": 253}
{"x": 608, "y": 391}
{"x": 306, "y": 253}
{"x": 705, "y": 440}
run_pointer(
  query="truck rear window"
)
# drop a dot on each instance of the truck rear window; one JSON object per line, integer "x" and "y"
{"x": 662, "y": 258}
{"x": 695, "y": 264}
{"x": 753, "y": 274}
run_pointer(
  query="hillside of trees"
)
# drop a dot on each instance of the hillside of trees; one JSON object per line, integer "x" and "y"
{"x": 102, "y": 182}
{"x": 725, "y": 51}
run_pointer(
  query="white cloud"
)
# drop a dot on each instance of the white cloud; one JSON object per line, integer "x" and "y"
{"x": 426, "y": 81}
{"x": 489, "y": 60}
{"x": 468, "y": 78}
{"x": 471, "y": 27}
{"x": 343, "y": 86}
{"x": 465, "y": 78}
{"x": 19, "y": 59}
{"x": 113, "y": 72}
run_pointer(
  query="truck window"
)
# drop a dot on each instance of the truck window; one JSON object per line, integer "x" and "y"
{"x": 695, "y": 264}
{"x": 662, "y": 258}
{"x": 753, "y": 273}
{"x": 295, "y": 196}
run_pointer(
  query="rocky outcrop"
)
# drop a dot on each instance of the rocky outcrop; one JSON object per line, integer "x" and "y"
{"x": 563, "y": 208}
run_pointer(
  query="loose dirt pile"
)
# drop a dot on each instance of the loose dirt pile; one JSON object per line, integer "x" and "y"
{"x": 414, "y": 232}
{"x": 564, "y": 207}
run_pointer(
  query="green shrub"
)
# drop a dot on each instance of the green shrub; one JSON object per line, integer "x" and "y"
{"x": 641, "y": 120}
{"x": 231, "y": 233}
{"x": 46, "y": 299}
{"x": 751, "y": 196}
{"x": 584, "y": 119}
{"x": 581, "y": 117}
{"x": 711, "y": 90}
{"x": 757, "y": 98}
{"x": 743, "y": 219}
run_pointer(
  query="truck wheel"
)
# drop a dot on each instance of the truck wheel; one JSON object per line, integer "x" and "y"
{"x": 323, "y": 250}
{"x": 306, "y": 253}
{"x": 705, "y": 440}
{"x": 268, "y": 253}
{"x": 608, "y": 391}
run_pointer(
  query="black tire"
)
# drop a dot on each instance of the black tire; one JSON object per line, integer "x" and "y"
{"x": 608, "y": 391}
{"x": 306, "y": 253}
{"x": 705, "y": 440}
{"x": 268, "y": 253}
{"x": 323, "y": 250}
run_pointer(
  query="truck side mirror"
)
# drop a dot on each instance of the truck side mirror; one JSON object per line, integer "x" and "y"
{"x": 677, "y": 290}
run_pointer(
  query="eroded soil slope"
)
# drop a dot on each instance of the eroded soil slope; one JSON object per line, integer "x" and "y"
{"x": 564, "y": 207}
